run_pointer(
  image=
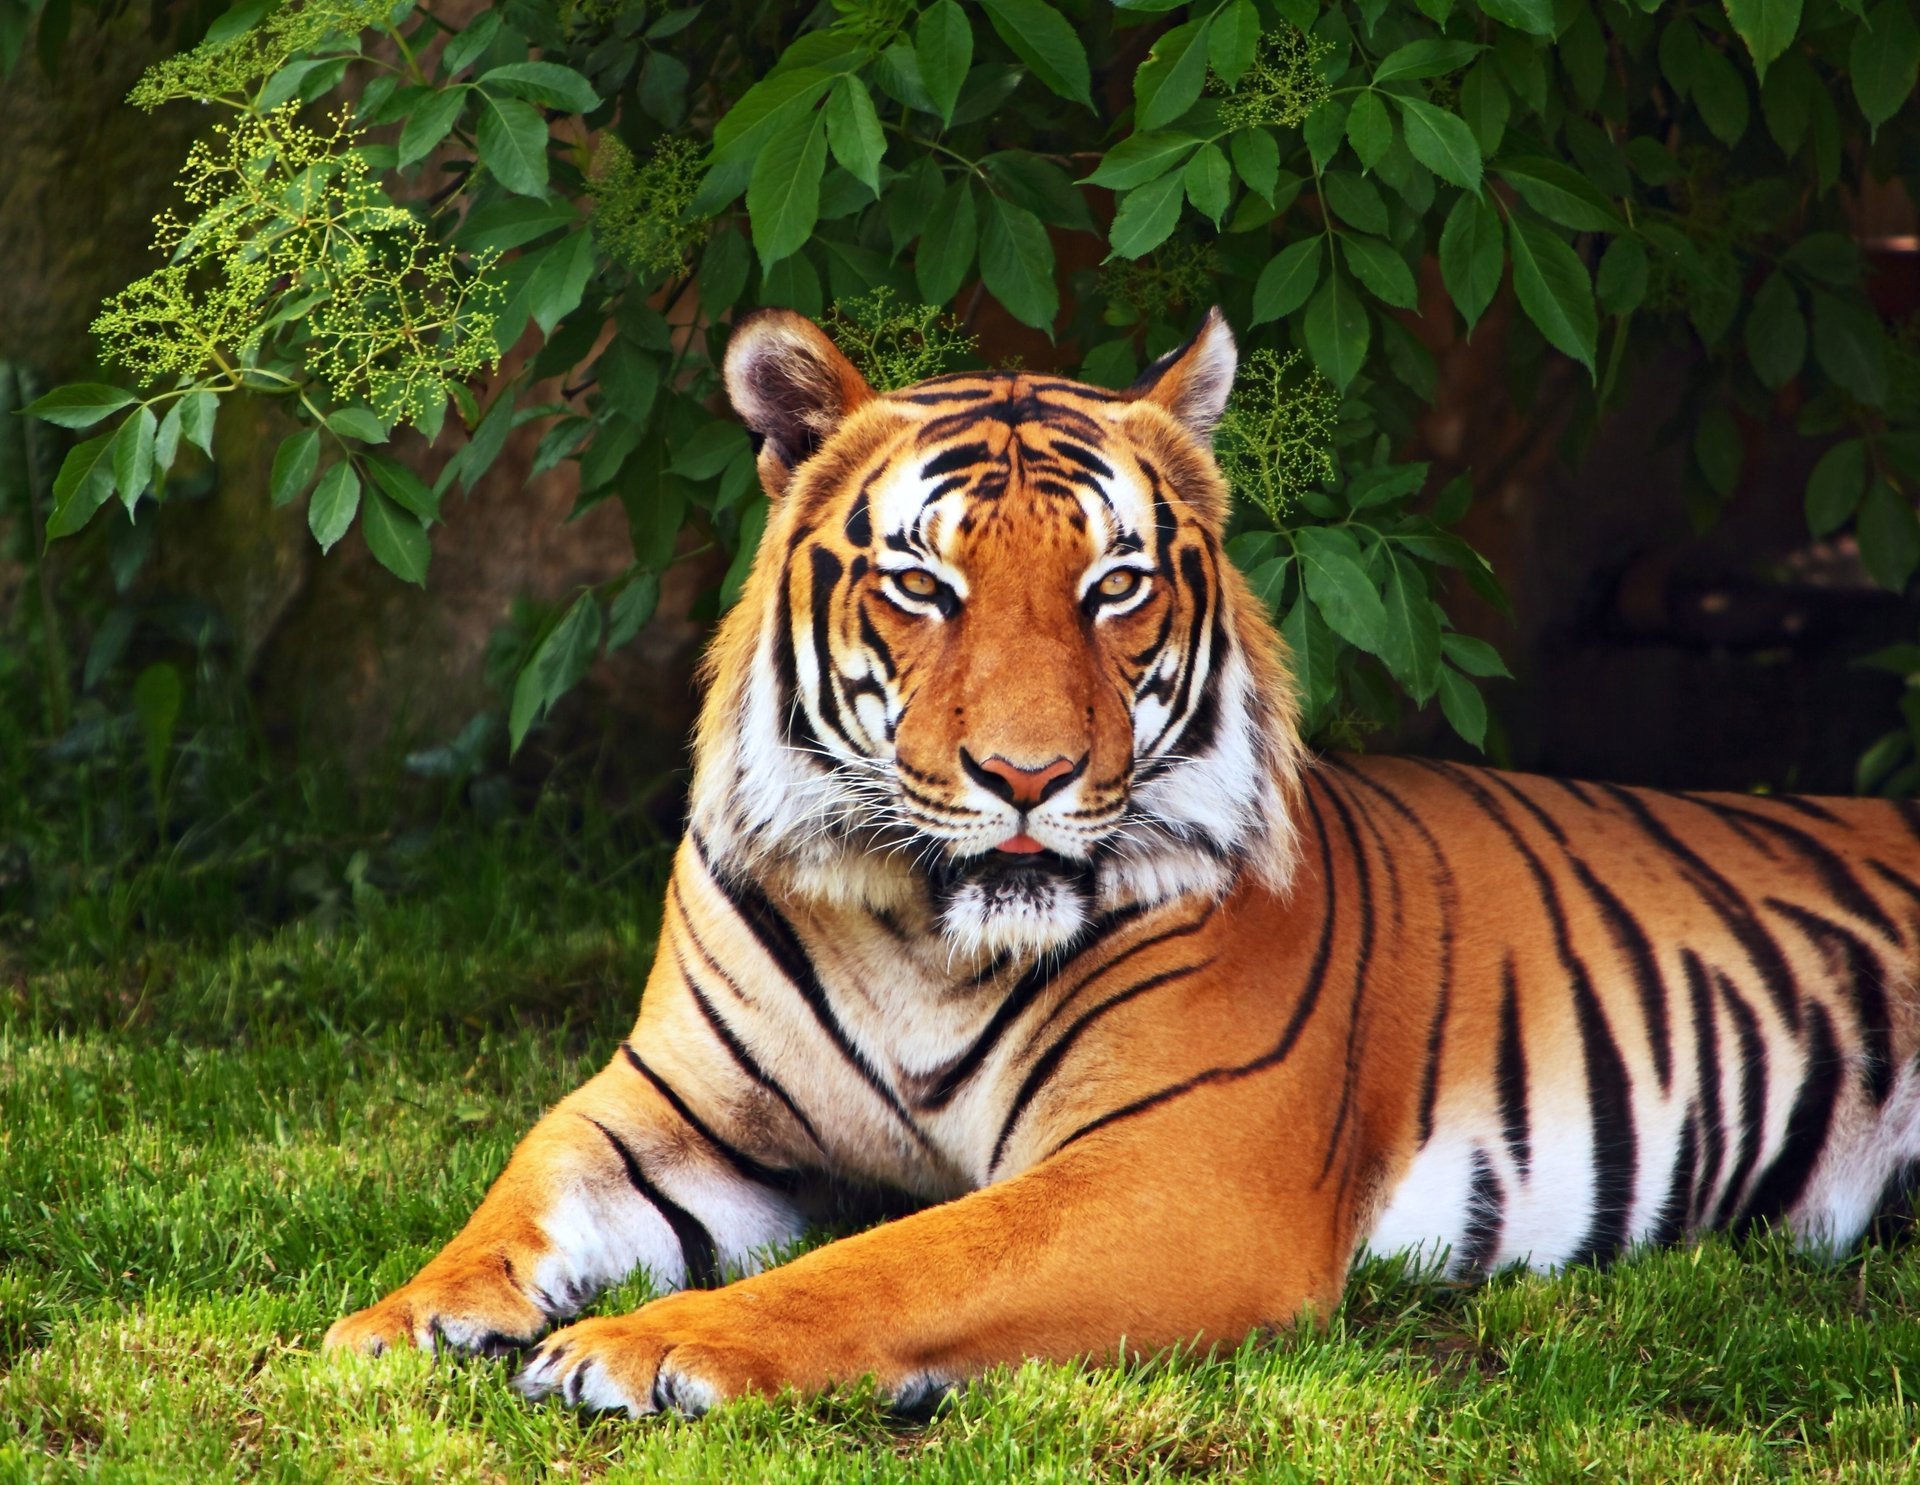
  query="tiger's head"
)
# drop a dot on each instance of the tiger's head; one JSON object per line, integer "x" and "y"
{"x": 992, "y": 665}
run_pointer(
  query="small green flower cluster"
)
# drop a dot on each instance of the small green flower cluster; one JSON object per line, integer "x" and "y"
{"x": 1282, "y": 87}
{"x": 294, "y": 237}
{"x": 238, "y": 64}
{"x": 640, "y": 211}
{"x": 896, "y": 344}
{"x": 1275, "y": 439}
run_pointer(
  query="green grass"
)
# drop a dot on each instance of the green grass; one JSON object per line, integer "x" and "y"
{"x": 210, "y": 1147}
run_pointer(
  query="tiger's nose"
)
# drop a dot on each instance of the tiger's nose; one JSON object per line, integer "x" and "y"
{"x": 1022, "y": 787}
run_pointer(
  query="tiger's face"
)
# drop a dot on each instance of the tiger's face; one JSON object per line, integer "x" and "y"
{"x": 992, "y": 662}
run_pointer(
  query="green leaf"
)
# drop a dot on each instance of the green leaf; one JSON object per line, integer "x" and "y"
{"x": 1719, "y": 450}
{"x": 1485, "y": 105}
{"x": 1257, "y": 158}
{"x": 403, "y": 486}
{"x": 635, "y": 605}
{"x": 429, "y": 123}
{"x": 500, "y": 225}
{"x": 1551, "y": 283}
{"x": 853, "y": 131}
{"x": 1850, "y": 347}
{"x": 1889, "y": 536}
{"x": 1339, "y": 586}
{"x": 1621, "y": 284}
{"x": 1168, "y": 83}
{"x": 1140, "y": 158}
{"x": 1042, "y": 187}
{"x": 1044, "y": 39}
{"x": 1381, "y": 270}
{"x": 1433, "y": 57}
{"x": 157, "y": 695}
{"x": 166, "y": 443}
{"x": 1836, "y": 485}
{"x": 513, "y": 145}
{"x": 1441, "y": 141}
{"x": 1209, "y": 182}
{"x": 1410, "y": 642}
{"x": 709, "y": 451}
{"x": 1882, "y": 60}
{"x": 1472, "y": 256}
{"x": 1560, "y": 193}
{"x": 1463, "y": 706}
{"x": 468, "y": 46}
{"x": 1721, "y": 95}
{"x": 1337, "y": 332}
{"x": 943, "y": 42}
{"x": 783, "y": 198}
{"x": 1767, "y": 26}
{"x": 133, "y": 456}
{"x": 82, "y": 486}
{"x": 1776, "y": 332}
{"x": 79, "y": 404}
{"x": 1356, "y": 201}
{"x": 1016, "y": 263}
{"x": 1324, "y": 128}
{"x": 547, "y": 83}
{"x": 197, "y": 412}
{"x": 559, "y": 664}
{"x": 1474, "y": 656}
{"x": 1147, "y": 215}
{"x": 1786, "y": 100}
{"x": 293, "y": 465}
{"x": 555, "y": 290}
{"x": 396, "y": 538}
{"x": 357, "y": 422}
{"x": 336, "y": 499}
{"x": 941, "y": 264}
{"x": 1310, "y": 655}
{"x": 1532, "y": 16}
{"x": 1369, "y": 129}
{"x": 1234, "y": 40}
{"x": 765, "y": 111}
{"x": 1287, "y": 280}
{"x": 1388, "y": 482}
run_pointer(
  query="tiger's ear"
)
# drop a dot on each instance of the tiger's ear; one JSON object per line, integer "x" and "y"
{"x": 1192, "y": 381}
{"x": 790, "y": 385}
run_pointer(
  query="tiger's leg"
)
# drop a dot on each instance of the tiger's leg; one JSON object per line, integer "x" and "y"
{"x": 622, "y": 1174}
{"x": 1130, "y": 1240}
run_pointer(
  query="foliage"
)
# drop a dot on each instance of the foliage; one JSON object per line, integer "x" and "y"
{"x": 1605, "y": 185}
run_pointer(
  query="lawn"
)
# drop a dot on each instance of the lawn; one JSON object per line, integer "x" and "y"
{"x": 211, "y": 1146}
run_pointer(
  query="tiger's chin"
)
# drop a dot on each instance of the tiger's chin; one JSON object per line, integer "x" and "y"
{"x": 1021, "y": 906}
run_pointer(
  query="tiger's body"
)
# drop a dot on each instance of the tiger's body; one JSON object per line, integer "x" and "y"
{"x": 1010, "y": 889}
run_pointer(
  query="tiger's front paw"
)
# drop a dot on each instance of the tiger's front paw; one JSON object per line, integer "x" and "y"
{"x": 480, "y": 1310}
{"x": 674, "y": 1356}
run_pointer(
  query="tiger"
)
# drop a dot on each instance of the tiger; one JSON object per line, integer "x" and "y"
{"x": 1010, "y": 888}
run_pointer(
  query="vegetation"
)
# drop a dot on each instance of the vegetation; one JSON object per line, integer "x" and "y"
{"x": 386, "y": 200}
{"x": 216, "y": 1144}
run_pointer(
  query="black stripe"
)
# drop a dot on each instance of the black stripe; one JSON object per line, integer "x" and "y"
{"x": 1859, "y": 969}
{"x": 1303, "y": 1010}
{"x": 1048, "y": 1062}
{"x": 1511, "y": 1075}
{"x": 1785, "y": 1181}
{"x": 1028, "y": 987}
{"x": 1898, "y": 880}
{"x": 1631, "y": 940}
{"x": 951, "y": 461}
{"x": 1728, "y": 903}
{"x": 1527, "y": 802}
{"x": 1449, "y": 911}
{"x": 1753, "y": 1101}
{"x": 1706, "y": 1054}
{"x": 826, "y": 574}
{"x": 1363, "y": 962}
{"x": 698, "y": 1255}
{"x": 783, "y": 946}
{"x": 1609, "y": 1094}
{"x": 1486, "y": 1215}
{"x": 737, "y": 1049}
{"x": 1835, "y": 876}
{"x": 1909, "y": 812}
{"x": 1813, "y": 809}
{"x": 751, "y": 1169}
{"x": 859, "y": 523}
{"x": 1674, "y": 1212}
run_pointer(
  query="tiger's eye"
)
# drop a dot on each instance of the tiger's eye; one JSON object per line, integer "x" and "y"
{"x": 1120, "y": 583}
{"x": 919, "y": 582}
